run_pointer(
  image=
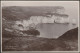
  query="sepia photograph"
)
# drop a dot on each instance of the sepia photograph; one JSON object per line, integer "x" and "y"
{"x": 40, "y": 25}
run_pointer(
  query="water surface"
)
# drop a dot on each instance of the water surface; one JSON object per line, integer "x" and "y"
{"x": 53, "y": 30}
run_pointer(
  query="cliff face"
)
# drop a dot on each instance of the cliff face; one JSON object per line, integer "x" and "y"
{"x": 11, "y": 14}
{"x": 14, "y": 13}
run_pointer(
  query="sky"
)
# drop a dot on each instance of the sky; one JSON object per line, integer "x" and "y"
{"x": 71, "y": 7}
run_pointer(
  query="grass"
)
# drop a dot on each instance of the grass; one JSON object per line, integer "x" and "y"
{"x": 66, "y": 42}
{"x": 30, "y": 43}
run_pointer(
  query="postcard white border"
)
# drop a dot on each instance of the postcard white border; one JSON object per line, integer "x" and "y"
{"x": 42, "y": 51}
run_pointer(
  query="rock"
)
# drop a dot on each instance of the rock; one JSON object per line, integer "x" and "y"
{"x": 32, "y": 32}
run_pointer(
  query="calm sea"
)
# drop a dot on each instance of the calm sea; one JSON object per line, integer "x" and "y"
{"x": 53, "y": 30}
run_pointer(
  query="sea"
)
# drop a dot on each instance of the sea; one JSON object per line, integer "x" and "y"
{"x": 53, "y": 30}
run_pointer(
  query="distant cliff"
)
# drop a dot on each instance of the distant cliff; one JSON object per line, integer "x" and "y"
{"x": 14, "y": 13}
